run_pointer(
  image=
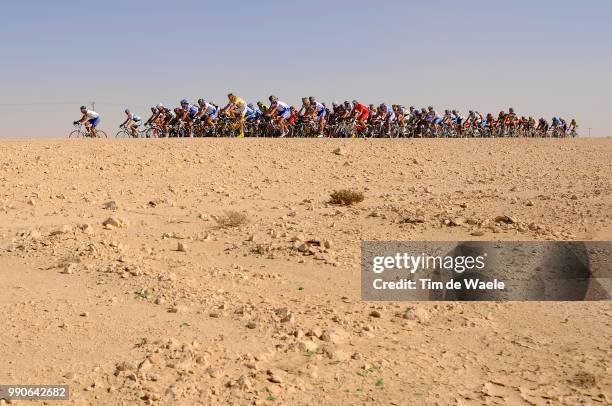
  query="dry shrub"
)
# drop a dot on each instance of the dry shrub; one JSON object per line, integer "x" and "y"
{"x": 346, "y": 197}
{"x": 232, "y": 218}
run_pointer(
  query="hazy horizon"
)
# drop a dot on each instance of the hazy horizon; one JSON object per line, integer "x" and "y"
{"x": 544, "y": 59}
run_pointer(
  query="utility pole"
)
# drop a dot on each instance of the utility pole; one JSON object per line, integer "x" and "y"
{"x": 93, "y": 105}
{"x": 589, "y": 131}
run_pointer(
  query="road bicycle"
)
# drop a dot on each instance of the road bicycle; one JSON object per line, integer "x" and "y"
{"x": 82, "y": 132}
{"x": 126, "y": 132}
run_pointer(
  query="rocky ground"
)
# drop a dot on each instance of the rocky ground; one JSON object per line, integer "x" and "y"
{"x": 215, "y": 271}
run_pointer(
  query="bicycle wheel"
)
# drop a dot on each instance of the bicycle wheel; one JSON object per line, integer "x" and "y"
{"x": 122, "y": 134}
{"x": 101, "y": 134}
{"x": 75, "y": 134}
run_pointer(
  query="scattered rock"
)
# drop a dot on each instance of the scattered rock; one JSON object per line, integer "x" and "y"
{"x": 334, "y": 335}
{"x": 113, "y": 222}
{"x": 505, "y": 219}
{"x": 275, "y": 376}
{"x": 337, "y": 355}
{"x": 110, "y": 205}
{"x": 307, "y": 346}
{"x": 416, "y": 313}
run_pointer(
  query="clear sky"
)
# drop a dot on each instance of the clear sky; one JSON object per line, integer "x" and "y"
{"x": 542, "y": 57}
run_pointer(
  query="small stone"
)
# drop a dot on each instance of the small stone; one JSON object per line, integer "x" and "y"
{"x": 314, "y": 332}
{"x": 477, "y": 233}
{"x": 69, "y": 269}
{"x": 307, "y": 345}
{"x": 337, "y": 355}
{"x": 113, "y": 222}
{"x": 35, "y": 235}
{"x": 504, "y": 219}
{"x": 63, "y": 230}
{"x": 298, "y": 237}
{"x": 416, "y": 313}
{"x": 275, "y": 376}
{"x": 375, "y": 314}
{"x": 334, "y": 335}
{"x": 145, "y": 365}
{"x": 70, "y": 376}
{"x": 177, "y": 309}
{"x": 251, "y": 325}
{"x": 84, "y": 314}
{"x": 110, "y": 205}
{"x": 181, "y": 247}
{"x": 340, "y": 151}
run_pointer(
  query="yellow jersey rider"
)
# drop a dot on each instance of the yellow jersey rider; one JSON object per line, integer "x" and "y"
{"x": 236, "y": 108}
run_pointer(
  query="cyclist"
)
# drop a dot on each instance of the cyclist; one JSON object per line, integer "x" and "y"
{"x": 90, "y": 120}
{"x": 281, "y": 112}
{"x": 573, "y": 127}
{"x": 166, "y": 117}
{"x": 188, "y": 115}
{"x": 293, "y": 117}
{"x": 320, "y": 111}
{"x": 387, "y": 116}
{"x": 236, "y": 108}
{"x": 154, "y": 119}
{"x": 132, "y": 122}
{"x": 207, "y": 112}
{"x": 361, "y": 112}
{"x": 542, "y": 127}
{"x": 252, "y": 113}
{"x": 305, "y": 110}
{"x": 347, "y": 108}
{"x": 262, "y": 107}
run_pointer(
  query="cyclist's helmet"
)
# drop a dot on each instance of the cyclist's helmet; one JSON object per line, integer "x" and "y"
{"x": 201, "y": 102}
{"x": 382, "y": 106}
{"x": 127, "y": 111}
{"x": 160, "y": 106}
{"x": 335, "y": 104}
{"x": 153, "y": 109}
{"x": 273, "y": 98}
{"x": 250, "y": 105}
{"x": 355, "y": 102}
{"x": 83, "y": 108}
{"x": 184, "y": 101}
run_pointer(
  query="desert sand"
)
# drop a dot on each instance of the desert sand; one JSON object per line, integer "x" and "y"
{"x": 123, "y": 276}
